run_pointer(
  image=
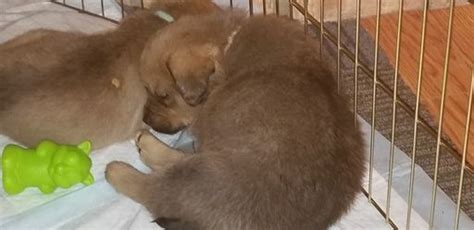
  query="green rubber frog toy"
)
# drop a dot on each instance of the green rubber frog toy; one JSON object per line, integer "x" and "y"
{"x": 47, "y": 167}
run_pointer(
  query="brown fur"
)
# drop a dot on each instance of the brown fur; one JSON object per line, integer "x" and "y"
{"x": 69, "y": 86}
{"x": 276, "y": 145}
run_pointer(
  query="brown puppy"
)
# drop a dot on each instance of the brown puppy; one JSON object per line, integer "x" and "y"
{"x": 276, "y": 145}
{"x": 69, "y": 86}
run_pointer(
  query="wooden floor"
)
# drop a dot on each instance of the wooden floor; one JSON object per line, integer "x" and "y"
{"x": 461, "y": 62}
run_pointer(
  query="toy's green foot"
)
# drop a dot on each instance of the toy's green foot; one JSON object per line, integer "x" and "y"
{"x": 9, "y": 157}
{"x": 10, "y": 185}
{"x": 88, "y": 180}
{"x": 10, "y": 182}
{"x": 47, "y": 189}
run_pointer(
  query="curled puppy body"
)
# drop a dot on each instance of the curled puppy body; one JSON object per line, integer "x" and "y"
{"x": 70, "y": 86}
{"x": 276, "y": 145}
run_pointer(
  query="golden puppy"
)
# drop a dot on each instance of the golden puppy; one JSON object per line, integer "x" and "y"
{"x": 69, "y": 86}
{"x": 276, "y": 145}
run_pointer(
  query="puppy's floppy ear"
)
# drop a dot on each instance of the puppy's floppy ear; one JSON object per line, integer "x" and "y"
{"x": 191, "y": 67}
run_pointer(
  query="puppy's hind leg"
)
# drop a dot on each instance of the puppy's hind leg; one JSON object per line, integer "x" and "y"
{"x": 154, "y": 153}
{"x": 190, "y": 194}
{"x": 129, "y": 181}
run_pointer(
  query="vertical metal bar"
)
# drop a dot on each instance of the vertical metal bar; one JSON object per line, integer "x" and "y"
{"x": 321, "y": 32}
{"x": 417, "y": 112}
{"x": 464, "y": 151}
{"x": 264, "y": 5}
{"x": 251, "y": 7}
{"x": 374, "y": 97}
{"x": 102, "y": 8}
{"x": 82, "y": 5}
{"x": 339, "y": 9}
{"x": 356, "y": 62}
{"x": 290, "y": 8}
{"x": 441, "y": 112}
{"x": 64, "y": 1}
{"x": 122, "y": 9}
{"x": 231, "y": 3}
{"x": 305, "y": 16}
{"x": 394, "y": 110}
{"x": 277, "y": 7}
{"x": 142, "y": 5}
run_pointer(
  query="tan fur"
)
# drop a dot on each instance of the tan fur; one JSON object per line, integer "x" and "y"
{"x": 69, "y": 86}
{"x": 276, "y": 145}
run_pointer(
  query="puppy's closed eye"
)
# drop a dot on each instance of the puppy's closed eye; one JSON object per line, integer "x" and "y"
{"x": 159, "y": 96}
{"x": 164, "y": 98}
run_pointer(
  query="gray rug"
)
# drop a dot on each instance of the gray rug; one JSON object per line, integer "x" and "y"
{"x": 449, "y": 168}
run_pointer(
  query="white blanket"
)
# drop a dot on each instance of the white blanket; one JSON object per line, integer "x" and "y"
{"x": 93, "y": 207}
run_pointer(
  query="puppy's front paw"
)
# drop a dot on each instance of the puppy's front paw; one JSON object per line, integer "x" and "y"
{"x": 148, "y": 144}
{"x": 138, "y": 136}
{"x": 154, "y": 153}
